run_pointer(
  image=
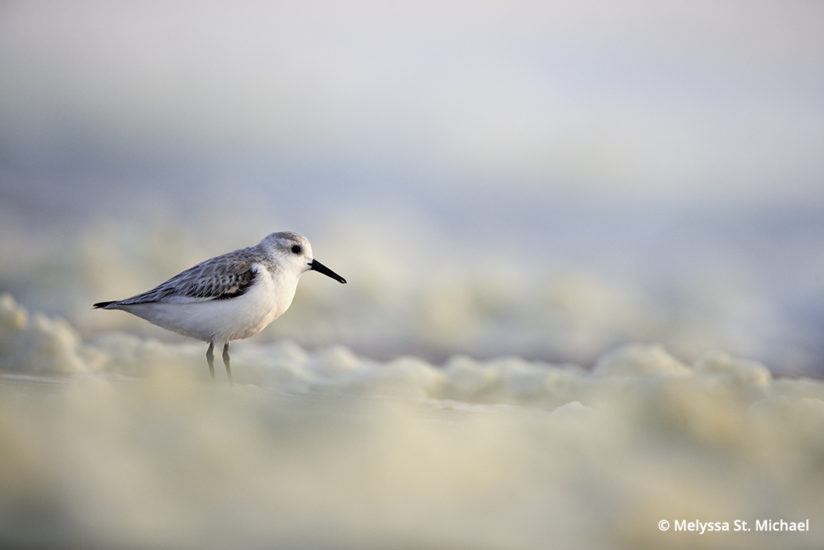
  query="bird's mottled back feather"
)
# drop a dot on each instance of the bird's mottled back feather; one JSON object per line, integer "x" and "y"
{"x": 218, "y": 278}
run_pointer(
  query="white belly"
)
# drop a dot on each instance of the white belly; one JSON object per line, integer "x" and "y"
{"x": 228, "y": 319}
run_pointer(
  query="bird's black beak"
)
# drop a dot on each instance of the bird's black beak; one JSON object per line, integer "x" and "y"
{"x": 320, "y": 268}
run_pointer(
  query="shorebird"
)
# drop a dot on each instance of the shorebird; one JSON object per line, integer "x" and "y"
{"x": 228, "y": 297}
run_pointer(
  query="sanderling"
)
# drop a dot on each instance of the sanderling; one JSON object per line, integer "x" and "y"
{"x": 229, "y": 297}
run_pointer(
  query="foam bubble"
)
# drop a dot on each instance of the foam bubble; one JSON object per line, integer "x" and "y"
{"x": 317, "y": 449}
{"x": 40, "y": 343}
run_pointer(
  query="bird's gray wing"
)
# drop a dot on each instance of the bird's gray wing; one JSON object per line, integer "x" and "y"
{"x": 220, "y": 278}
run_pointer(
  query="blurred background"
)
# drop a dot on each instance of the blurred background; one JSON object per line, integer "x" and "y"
{"x": 540, "y": 179}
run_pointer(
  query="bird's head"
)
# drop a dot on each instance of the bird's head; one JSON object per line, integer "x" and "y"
{"x": 293, "y": 252}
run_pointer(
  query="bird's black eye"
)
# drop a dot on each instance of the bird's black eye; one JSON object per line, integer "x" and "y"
{"x": 297, "y": 249}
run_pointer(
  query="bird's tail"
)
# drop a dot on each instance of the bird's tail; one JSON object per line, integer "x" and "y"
{"x": 103, "y": 305}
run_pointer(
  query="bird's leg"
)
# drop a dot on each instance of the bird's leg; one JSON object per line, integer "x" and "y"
{"x": 226, "y": 361}
{"x": 210, "y": 358}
